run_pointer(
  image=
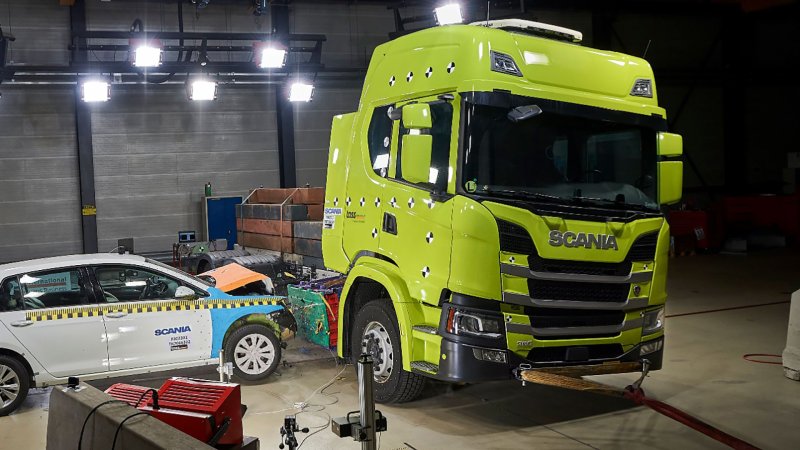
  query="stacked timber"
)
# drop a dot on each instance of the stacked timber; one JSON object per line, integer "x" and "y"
{"x": 284, "y": 220}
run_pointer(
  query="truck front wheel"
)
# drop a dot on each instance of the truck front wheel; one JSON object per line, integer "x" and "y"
{"x": 375, "y": 332}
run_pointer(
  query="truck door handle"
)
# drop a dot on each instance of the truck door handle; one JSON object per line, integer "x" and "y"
{"x": 22, "y": 323}
{"x": 116, "y": 315}
{"x": 390, "y": 223}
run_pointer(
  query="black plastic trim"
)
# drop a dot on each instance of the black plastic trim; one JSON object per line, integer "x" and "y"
{"x": 508, "y": 100}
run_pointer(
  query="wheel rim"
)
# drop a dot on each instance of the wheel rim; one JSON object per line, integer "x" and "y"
{"x": 378, "y": 344}
{"x": 254, "y": 354}
{"x": 9, "y": 385}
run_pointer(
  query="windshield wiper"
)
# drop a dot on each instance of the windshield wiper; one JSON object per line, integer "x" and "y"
{"x": 617, "y": 202}
{"x": 524, "y": 194}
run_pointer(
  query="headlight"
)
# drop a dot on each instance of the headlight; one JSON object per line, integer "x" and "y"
{"x": 473, "y": 324}
{"x": 653, "y": 321}
{"x": 504, "y": 64}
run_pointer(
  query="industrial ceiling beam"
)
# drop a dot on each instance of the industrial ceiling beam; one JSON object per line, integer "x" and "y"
{"x": 287, "y": 167}
{"x": 83, "y": 132}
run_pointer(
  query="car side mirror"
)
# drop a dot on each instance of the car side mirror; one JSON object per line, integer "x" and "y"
{"x": 183, "y": 292}
{"x": 670, "y": 172}
{"x": 416, "y": 157}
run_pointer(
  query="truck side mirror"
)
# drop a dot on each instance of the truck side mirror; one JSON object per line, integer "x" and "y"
{"x": 417, "y": 116}
{"x": 670, "y": 173}
{"x": 416, "y": 157}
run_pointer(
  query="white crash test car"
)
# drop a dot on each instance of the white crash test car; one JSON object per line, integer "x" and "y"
{"x": 108, "y": 315}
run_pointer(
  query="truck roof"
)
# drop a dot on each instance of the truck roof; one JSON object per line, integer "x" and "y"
{"x": 459, "y": 58}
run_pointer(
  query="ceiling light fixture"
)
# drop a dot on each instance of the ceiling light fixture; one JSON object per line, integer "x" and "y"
{"x": 448, "y": 14}
{"x": 301, "y": 92}
{"x": 94, "y": 91}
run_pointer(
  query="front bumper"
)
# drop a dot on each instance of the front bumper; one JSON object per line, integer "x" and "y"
{"x": 459, "y": 363}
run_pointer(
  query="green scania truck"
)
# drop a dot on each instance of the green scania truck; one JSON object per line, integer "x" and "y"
{"x": 496, "y": 201}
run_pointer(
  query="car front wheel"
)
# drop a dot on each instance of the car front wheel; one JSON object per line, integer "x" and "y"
{"x": 254, "y": 350}
{"x": 14, "y": 384}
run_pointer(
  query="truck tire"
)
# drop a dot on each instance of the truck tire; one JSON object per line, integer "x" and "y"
{"x": 254, "y": 350}
{"x": 14, "y": 384}
{"x": 375, "y": 331}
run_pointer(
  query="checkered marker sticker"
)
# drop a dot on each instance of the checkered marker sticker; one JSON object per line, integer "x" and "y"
{"x": 409, "y": 77}
{"x": 362, "y": 201}
{"x": 391, "y": 81}
{"x": 429, "y": 72}
{"x": 430, "y": 203}
{"x": 429, "y": 237}
{"x": 377, "y": 202}
{"x": 374, "y": 233}
{"x": 411, "y": 202}
{"x": 426, "y": 271}
{"x": 451, "y": 67}
{"x": 335, "y": 201}
{"x": 347, "y": 201}
{"x": 511, "y": 260}
{"x": 393, "y": 202}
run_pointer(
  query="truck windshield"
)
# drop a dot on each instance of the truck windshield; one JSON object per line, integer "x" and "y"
{"x": 559, "y": 158}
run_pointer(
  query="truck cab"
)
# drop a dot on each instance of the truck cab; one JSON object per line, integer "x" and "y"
{"x": 496, "y": 201}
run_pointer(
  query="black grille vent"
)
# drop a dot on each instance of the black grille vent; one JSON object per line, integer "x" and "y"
{"x": 644, "y": 248}
{"x": 514, "y": 238}
{"x": 559, "y": 354}
{"x": 539, "y": 264}
{"x": 579, "y": 292}
{"x": 563, "y": 318}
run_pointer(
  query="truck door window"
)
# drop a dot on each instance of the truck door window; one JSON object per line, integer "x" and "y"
{"x": 11, "y": 296}
{"x": 132, "y": 283}
{"x": 442, "y": 120}
{"x": 380, "y": 140}
{"x": 53, "y": 289}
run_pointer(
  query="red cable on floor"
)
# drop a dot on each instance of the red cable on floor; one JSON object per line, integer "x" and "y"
{"x": 637, "y": 396}
{"x": 751, "y": 357}
{"x": 727, "y": 309}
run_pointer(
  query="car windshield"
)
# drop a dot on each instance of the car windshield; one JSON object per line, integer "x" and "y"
{"x": 559, "y": 158}
{"x": 169, "y": 268}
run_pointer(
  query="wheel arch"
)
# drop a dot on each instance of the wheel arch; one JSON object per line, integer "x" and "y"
{"x": 22, "y": 359}
{"x": 373, "y": 279}
{"x": 226, "y": 321}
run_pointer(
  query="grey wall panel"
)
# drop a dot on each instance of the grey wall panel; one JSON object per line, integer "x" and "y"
{"x": 313, "y": 130}
{"x": 155, "y": 150}
{"x": 39, "y": 200}
{"x": 41, "y": 28}
{"x": 353, "y": 29}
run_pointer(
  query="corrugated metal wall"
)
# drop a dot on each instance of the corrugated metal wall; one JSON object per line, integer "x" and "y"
{"x": 353, "y": 31}
{"x": 155, "y": 150}
{"x": 39, "y": 200}
{"x": 39, "y": 194}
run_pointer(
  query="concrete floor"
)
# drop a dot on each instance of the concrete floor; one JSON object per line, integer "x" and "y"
{"x": 704, "y": 373}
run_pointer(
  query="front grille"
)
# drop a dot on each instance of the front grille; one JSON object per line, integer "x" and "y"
{"x": 644, "y": 248}
{"x": 559, "y": 354}
{"x": 539, "y": 264}
{"x": 579, "y": 292}
{"x": 567, "y": 318}
{"x": 514, "y": 238}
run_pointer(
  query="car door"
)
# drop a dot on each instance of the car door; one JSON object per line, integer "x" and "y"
{"x": 52, "y": 319}
{"x": 147, "y": 325}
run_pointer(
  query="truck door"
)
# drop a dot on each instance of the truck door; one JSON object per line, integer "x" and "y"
{"x": 416, "y": 229}
{"x": 147, "y": 327}
{"x": 366, "y": 181}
